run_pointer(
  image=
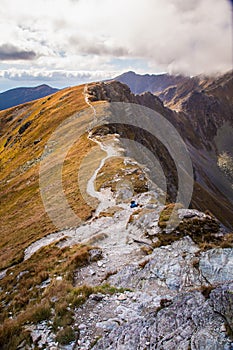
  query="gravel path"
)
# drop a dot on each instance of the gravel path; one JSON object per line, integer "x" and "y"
{"x": 110, "y": 225}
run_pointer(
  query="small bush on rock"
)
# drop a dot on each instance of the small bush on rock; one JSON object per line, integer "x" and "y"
{"x": 65, "y": 336}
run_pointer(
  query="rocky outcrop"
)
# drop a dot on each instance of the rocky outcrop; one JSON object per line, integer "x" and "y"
{"x": 117, "y": 92}
{"x": 221, "y": 300}
{"x": 189, "y": 322}
{"x": 178, "y": 296}
{"x": 216, "y": 265}
{"x": 112, "y": 92}
{"x": 168, "y": 269}
{"x": 171, "y": 304}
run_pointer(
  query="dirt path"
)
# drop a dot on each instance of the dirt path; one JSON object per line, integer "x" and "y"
{"x": 119, "y": 244}
{"x": 109, "y": 146}
{"x": 105, "y": 197}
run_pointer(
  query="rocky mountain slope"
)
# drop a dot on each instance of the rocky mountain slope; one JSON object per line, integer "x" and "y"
{"x": 117, "y": 277}
{"x": 149, "y": 82}
{"x": 204, "y": 105}
{"x": 14, "y": 97}
{"x": 205, "y": 123}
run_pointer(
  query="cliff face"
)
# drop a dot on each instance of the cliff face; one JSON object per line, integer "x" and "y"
{"x": 204, "y": 106}
{"x": 206, "y": 103}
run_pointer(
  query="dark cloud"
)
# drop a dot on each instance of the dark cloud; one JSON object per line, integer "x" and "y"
{"x": 189, "y": 5}
{"x": 10, "y": 52}
{"x": 96, "y": 47}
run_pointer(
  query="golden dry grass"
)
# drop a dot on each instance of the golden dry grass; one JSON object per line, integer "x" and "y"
{"x": 26, "y": 299}
{"x": 44, "y": 291}
{"x": 30, "y": 287}
{"x": 22, "y": 214}
{"x": 116, "y": 168}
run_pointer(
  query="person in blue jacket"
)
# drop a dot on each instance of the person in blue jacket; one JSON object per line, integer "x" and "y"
{"x": 133, "y": 204}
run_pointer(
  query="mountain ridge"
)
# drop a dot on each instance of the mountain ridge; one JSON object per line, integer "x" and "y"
{"x": 21, "y": 95}
{"x": 113, "y": 279}
{"x": 153, "y": 83}
{"x": 199, "y": 130}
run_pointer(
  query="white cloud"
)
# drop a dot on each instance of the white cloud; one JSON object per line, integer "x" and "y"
{"x": 41, "y": 75}
{"x": 191, "y": 37}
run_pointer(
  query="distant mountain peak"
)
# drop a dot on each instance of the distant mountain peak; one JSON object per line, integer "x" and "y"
{"x": 43, "y": 85}
{"x": 17, "y": 96}
{"x": 130, "y": 72}
{"x": 154, "y": 83}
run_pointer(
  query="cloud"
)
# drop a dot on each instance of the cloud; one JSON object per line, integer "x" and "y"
{"x": 190, "y": 37}
{"x": 52, "y": 75}
{"x": 97, "y": 46}
{"x": 10, "y": 52}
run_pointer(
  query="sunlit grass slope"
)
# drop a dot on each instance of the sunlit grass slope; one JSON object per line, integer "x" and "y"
{"x": 24, "y": 131}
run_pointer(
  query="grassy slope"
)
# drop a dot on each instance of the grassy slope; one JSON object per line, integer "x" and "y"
{"x": 23, "y": 301}
{"x": 23, "y": 218}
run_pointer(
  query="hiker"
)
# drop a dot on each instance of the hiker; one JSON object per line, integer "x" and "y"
{"x": 133, "y": 204}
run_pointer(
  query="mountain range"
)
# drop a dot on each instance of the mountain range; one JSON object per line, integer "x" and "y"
{"x": 83, "y": 268}
{"x": 154, "y": 83}
{"x": 14, "y": 97}
{"x": 201, "y": 110}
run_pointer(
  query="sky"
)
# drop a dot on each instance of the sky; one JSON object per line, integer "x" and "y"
{"x": 69, "y": 42}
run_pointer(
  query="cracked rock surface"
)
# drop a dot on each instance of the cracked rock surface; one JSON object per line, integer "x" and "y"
{"x": 171, "y": 303}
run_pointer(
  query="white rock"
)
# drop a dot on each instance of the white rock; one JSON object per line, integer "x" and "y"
{"x": 223, "y": 328}
{"x": 82, "y": 326}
